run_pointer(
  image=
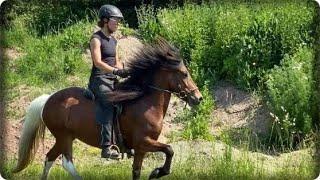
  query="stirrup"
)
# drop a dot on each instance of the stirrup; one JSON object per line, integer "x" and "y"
{"x": 115, "y": 147}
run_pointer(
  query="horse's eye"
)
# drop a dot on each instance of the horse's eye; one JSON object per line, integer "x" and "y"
{"x": 185, "y": 74}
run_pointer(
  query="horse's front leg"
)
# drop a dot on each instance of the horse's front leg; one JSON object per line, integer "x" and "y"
{"x": 155, "y": 146}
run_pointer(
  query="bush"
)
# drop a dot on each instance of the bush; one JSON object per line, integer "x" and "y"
{"x": 232, "y": 41}
{"x": 149, "y": 28}
{"x": 289, "y": 89}
{"x": 243, "y": 41}
{"x": 197, "y": 120}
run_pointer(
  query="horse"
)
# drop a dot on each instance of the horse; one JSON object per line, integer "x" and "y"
{"x": 157, "y": 69}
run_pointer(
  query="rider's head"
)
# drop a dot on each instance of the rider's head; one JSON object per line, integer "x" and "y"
{"x": 109, "y": 16}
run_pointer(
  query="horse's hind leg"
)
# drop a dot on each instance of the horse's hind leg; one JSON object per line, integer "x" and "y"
{"x": 137, "y": 163}
{"x": 51, "y": 156}
{"x": 151, "y": 145}
{"x": 67, "y": 162}
{"x": 68, "y": 166}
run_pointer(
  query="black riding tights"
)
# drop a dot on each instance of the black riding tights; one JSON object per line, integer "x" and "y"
{"x": 104, "y": 109}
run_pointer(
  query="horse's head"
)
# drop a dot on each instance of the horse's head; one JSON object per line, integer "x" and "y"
{"x": 177, "y": 75}
{"x": 160, "y": 66}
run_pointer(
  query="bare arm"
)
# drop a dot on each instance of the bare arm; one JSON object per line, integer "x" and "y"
{"x": 96, "y": 56}
{"x": 118, "y": 61}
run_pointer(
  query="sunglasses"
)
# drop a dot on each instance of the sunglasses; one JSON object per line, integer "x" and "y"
{"x": 115, "y": 19}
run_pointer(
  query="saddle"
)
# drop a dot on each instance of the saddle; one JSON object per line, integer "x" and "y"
{"x": 117, "y": 138}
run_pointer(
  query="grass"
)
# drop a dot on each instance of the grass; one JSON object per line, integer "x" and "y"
{"x": 213, "y": 160}
{"x": 49, "y": 59}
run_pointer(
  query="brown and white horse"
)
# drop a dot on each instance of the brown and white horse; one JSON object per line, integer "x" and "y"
{"x": 156, "y": 69}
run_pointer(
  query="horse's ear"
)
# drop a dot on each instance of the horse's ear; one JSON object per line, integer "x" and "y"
{"x": 163, "y": 43}
{"x": 161, "y": 40}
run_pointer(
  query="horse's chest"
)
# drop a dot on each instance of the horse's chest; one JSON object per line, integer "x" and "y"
{"x": 153, "y": 116}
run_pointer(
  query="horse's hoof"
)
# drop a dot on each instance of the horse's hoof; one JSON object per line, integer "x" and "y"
{"x": 158, "y": 172}
{"x": 155, "y": 173}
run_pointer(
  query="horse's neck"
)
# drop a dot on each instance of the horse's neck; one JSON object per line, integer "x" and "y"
{"x": 160, "y": 100}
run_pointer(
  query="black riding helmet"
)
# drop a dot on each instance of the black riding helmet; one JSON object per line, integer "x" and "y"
{"x": 108, "y": 11}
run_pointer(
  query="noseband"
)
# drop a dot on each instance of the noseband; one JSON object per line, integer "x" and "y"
{"x": 182, "y": 94}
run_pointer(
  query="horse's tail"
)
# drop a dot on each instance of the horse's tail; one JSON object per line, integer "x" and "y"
{"x": 33, "y": 130}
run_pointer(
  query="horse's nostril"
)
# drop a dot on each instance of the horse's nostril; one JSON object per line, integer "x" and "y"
{"x": 200, "y": 99}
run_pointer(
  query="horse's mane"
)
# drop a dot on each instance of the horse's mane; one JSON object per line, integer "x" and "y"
{"x": 142, "y": 66}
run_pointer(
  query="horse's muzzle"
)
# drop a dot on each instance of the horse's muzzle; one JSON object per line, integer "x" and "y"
{"x": 194, "y": 100}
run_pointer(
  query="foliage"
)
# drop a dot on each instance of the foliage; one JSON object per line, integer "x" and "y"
{"x": 241, "y": 41}
{"x": 289, "y": 88}
{"x": 50, "y": 58}
{"x": 198, "y": 119}
{"x": 237, "y": 41}
{"x": 43, "y": 17}
{"x": 149, "y": 27}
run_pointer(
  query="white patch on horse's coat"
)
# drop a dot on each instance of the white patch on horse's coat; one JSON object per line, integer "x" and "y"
{"x": 68, "y": 166}
{"x": 70, "y": 102}
{"x": 318, "y": 178}
{"x": 47, "y": 167}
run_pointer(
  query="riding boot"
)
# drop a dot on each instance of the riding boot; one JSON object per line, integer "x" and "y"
{"x": 108, "y": 150}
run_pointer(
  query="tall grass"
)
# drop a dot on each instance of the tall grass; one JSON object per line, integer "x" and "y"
{"x": 50, "y": 58}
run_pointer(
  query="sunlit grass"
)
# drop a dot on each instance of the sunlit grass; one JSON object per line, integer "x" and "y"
{"x": 192, "y": 160}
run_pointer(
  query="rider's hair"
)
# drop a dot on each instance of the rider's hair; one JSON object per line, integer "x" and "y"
{"x": 101, "y": 23}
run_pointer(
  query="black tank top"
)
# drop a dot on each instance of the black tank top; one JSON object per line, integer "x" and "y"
{"x": 108, "y": 54}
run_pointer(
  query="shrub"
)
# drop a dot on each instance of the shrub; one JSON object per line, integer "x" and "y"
{"x": 243, "y": 41}
{"x": 232, "y": 41}
{"x": 289, "y": 89}
{"x": 197, "y": 120}
{"x": 148, "y": 26}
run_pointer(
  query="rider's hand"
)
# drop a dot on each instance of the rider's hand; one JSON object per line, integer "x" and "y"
{"x": 121, "y": 72}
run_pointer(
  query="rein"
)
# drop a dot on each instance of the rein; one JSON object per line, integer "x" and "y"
{"x": 181, "y": 94}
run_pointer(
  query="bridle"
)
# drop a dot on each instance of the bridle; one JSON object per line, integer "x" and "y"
{"x": 181, "y": 94}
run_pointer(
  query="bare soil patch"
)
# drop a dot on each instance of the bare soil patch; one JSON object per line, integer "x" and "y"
{"x": 236, "y": 108}
{"x": 12, "y": 53}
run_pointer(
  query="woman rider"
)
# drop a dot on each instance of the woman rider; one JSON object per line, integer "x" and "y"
{"x": 106, "y": 67}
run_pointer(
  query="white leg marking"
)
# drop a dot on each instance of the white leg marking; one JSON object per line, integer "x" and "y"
{"x": 68, "y": 166}
{"x": 46, "y": 170}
